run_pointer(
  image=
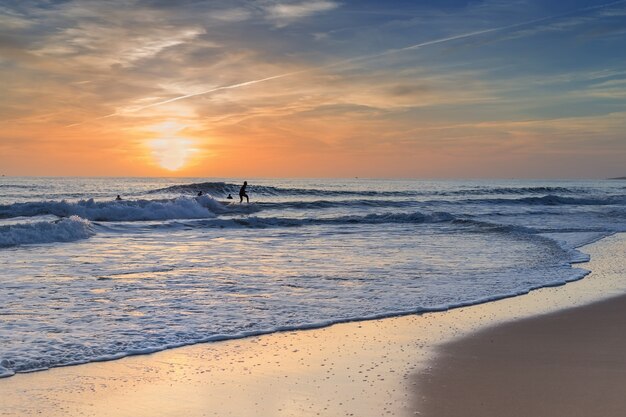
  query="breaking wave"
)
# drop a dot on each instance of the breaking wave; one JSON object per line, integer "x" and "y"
{"x": 64, "y": 230}
{"x": 125, "y": 210}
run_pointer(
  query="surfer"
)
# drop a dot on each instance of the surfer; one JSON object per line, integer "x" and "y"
{"x": 230, "y": 197}
{"x": 118, "y": 198}
{"x": 242, "y": 192}
{"x": 199, "y": 193}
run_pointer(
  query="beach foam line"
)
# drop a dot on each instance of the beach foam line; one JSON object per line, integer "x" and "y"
{"x": 12, "y": 366}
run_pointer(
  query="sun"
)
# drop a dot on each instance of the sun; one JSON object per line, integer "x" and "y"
{"x": 171, "y": 150}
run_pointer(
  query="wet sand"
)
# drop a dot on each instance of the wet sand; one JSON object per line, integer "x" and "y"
{"x": 360, "y": 369}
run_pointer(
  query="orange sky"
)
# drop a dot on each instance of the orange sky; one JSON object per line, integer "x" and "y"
{"x": 86, "y": 87}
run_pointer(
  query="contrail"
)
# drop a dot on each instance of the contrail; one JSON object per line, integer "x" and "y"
{"x": 468, "y": 35}
{"x": 360, "y": 58}
{"x": 200, "y": 93}
{"x": 226, "y": 87}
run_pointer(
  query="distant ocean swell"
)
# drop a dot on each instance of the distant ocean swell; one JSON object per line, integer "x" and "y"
{"x": 223, "y": 188}
{"x": 554, "y": 200}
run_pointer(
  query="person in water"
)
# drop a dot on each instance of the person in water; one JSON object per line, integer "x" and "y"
{"x": 118, "y": 198}
{"x": 199, "y": 193}
{"x": 230, "y": 197}
{"x": 242, "y": 192}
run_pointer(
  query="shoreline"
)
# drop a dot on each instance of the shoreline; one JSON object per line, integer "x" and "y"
{"x": 361, "y": 368}
{"x": 581, "y": 274}
{"x": 567, "y": 362}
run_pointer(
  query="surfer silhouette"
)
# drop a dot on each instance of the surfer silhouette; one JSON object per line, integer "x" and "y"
{"x": 199, "y": 193}
{"x": 230, "y": 197}
{"x": 118, "y": 198}
{"x": 242, "y": 192}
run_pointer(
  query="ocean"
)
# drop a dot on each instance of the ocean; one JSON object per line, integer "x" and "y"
{"x": 86, "y": 278}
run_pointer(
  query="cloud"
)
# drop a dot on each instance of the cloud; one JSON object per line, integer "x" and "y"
{"x": 151, "y": 47}
{"x": 238, "y": 14}
{"x": 10, "y": 21}
{"x": 114, "y": 44}
{"x": 283, "y": 14}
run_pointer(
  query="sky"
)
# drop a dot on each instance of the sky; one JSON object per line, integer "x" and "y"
{"x": 317, "y": 88}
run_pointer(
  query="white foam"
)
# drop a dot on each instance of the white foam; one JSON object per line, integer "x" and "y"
{"x": 124, "y": 210}
{"x": 4, "y": 372}
{"x": 64, "y": 230}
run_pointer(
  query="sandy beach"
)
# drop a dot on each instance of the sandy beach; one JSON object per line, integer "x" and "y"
{"x": 569, "y": 363}
{"x": 399, "y": 366}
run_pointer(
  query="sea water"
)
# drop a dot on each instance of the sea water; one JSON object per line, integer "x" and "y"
{"x": 86, "y": 278}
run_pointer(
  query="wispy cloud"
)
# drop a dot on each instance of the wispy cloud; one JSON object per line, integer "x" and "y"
{"x": 282, "y": 13}
{"x": 233, "y": 15}
{"x": 150, "y": 47}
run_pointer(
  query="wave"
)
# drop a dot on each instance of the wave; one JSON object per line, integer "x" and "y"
{"x": 550, "y": 200}
{"x": 170, "y": 209}
{"x": 64, "y": 230}
{"x": 17, "y": 186}
{"x": 490, "y": 227}
{"x": 264, "y": 222}
{"x": 512, "y": 190}
{"x": 554, "y": 200}
{"x": 324, "y": 204}
{"x": 125, "y": 210}
{"x": 224, "y": 188}
{"x": 212, "y": 188}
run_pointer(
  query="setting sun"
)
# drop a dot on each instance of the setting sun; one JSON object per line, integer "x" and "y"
{"x": 171, "y": 150}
